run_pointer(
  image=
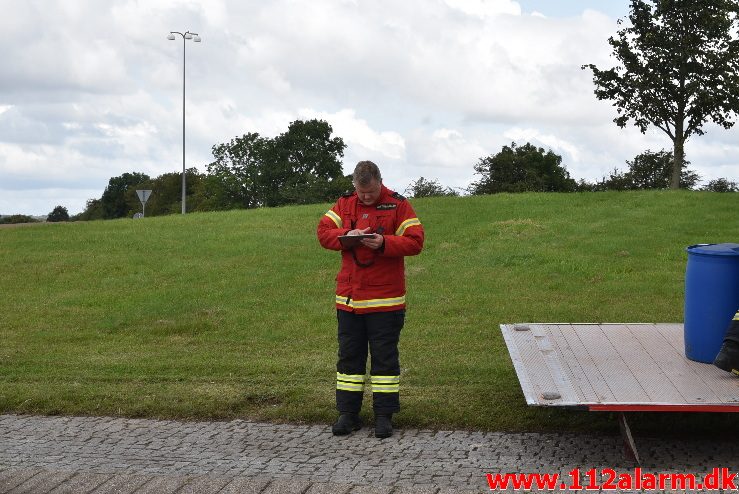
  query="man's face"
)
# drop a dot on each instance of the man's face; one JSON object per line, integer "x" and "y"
{"x": 368, "y": 194}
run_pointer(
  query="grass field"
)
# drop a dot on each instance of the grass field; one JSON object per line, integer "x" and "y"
{"x": 224, "y": 315}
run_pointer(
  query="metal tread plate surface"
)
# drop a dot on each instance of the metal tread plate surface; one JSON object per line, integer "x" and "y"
{"x": 618, "y": 367}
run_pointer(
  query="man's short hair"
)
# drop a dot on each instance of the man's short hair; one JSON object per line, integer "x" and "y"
{"x": 365, "y": 172}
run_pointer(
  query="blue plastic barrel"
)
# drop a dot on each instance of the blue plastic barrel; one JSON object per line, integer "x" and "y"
{"x": 711, "y": 298}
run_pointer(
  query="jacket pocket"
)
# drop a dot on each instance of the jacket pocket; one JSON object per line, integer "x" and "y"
{"x": 347, "y": 220}
{"x": 386, "y": 271}
{"x": 384, "y": 224}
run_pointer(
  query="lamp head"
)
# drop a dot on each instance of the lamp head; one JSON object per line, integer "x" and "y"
{"x": 197, "y": 39}
{"x": 170, "y": 36}
{"x": 188, "y": 36}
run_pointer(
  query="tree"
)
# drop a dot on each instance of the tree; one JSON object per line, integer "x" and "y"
{"x": 121, "y": 200}
{"x": 428, "y": 188}
{"x": 303, "y": 165}
{"x": 59, "y": 213}
{"x": 617, "y": 180}
{"x": 721, "y": 185}
{"x": 678, "y": 68}
{"x": 209, "y": 195}
{"x": 649, "y": 170}
{"x": 522, "y": 169}
{"x": 166, "y": 197}
{"x": 114, "y": 200}
{"x": 93, "y": 211}
{"x": 234, "y": 176}
{"x": 300, "y": 166}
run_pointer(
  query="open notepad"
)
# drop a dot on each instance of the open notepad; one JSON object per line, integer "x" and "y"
{"x": 352, "y": 240}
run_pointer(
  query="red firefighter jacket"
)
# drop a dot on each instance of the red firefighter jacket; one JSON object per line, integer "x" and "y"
{"x": 372, "y": 280}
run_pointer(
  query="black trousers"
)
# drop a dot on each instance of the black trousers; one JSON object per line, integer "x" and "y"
{"x": 380, "y": 332}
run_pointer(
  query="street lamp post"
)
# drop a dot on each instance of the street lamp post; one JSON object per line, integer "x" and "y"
{"x": 185, "y": 36}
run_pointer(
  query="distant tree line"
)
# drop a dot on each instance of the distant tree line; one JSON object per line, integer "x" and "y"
{"x": 15, "y": 219}
{"x": 303, "y": 166}
{"x": 300, "y": 166}
{"x": 530, "y": 169}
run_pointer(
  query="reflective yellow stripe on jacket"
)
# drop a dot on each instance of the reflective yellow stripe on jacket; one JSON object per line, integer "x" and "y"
{"x": 334, "y": 217}
{"x": 367, "y": 304}
{"x": 407, "y": 223}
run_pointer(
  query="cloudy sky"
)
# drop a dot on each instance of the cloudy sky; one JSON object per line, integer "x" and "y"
{"x": 90, "y": 89}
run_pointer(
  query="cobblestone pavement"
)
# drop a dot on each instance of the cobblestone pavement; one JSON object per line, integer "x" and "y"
{"x": 113, "y": 455}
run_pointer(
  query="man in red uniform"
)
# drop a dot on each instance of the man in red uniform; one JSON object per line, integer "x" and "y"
{"x": 370, "y": 293}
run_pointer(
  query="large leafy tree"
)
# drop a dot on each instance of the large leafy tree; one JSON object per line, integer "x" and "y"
{"x": 234, "y": 175}
{"x": 522, "y": 169}
{"x": 304, "y": 165}
{"x": 678, "y": 68}
{"x": 300, "y": 166}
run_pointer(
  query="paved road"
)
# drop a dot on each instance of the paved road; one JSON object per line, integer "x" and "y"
{"x": 113, "y": 455}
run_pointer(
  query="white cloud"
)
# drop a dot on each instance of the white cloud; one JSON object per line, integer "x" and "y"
{"x": 534, "y": 136}
{"x": 273, "y": 80}
{"x": 356, "y": 132}
{"x": 714, "y": 158}
{"x": 444, "y": 154}
{"x": 425, "y": 88}
{"x": 485, "y": 8}
{"x": 15, "y": 159}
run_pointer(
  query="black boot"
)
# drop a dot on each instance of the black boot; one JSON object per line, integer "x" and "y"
{"x": 728, "y": 357}
{"x": 383, "y": 426}
{"x": 346, "y": 424}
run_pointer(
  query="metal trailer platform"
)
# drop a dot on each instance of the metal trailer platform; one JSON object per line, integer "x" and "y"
{"x": 616, "y": 367}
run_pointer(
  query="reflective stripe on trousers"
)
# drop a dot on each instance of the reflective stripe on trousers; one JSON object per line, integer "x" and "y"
{"x": 380, "y": 384}
{"x": 375, "y": 334}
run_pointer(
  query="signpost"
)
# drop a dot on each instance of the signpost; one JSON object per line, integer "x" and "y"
{"x": 143, "y": 197}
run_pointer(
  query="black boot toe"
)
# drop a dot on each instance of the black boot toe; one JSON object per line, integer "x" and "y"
{"x": 346, "y": 424}
{"x": 383, "y": 426}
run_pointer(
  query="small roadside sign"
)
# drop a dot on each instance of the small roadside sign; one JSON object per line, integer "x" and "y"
{"x": 143, "y": 197}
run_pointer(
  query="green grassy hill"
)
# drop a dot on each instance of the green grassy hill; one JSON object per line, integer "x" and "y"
{"x": 223, "y": 315}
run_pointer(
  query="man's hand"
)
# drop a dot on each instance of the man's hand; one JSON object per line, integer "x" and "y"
{"x": 375, "y": 242}
{"x": 358, "y": 232}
